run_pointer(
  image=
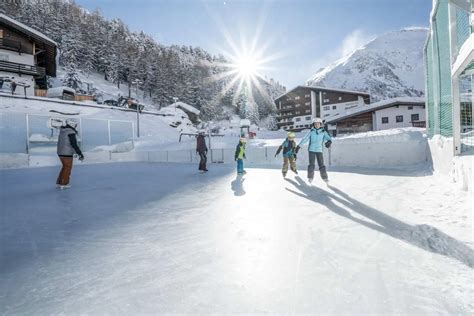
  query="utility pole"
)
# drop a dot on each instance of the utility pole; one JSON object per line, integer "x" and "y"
{"x": 137, "y": 82}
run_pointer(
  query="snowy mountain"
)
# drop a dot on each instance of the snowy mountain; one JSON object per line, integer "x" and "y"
{"x": 389, "y": 66}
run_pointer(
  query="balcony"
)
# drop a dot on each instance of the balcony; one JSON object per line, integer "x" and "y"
{"x": 22, "y": 69}
{"x": 12, "y": 45}
{"x": 286, "y": 109}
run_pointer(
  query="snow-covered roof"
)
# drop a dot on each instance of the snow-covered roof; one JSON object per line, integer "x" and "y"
{"x": 26, "y": 28}
{"x": 376, "y": 106}
{"x": 58, "y": 91}
{"x": 322, "y": 89}
{"x": 185, "y": 107}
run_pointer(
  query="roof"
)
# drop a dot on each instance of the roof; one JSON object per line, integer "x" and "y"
{"x": 26, "y": 29}
{"x": 41, "y": 41}
{"x": 185, "y": 107}
{"x": 320, "y": 88}
{"x": 376, "y": 106}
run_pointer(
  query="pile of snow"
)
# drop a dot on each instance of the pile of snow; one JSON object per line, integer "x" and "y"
{"x": 186, "y": 107}
{"x": 389, "y": 66}
{"x": 385, "y": 136}
{"x": 177, "y": 118}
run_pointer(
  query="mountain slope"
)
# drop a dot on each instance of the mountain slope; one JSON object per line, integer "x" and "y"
{"x": 389, "y": 66}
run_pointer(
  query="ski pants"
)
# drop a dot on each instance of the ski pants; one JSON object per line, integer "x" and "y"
{"x": 288, "y": 161}
{"x": 240, "y": 165}
{"x": 202, "y": 163}
{"x": 322, "y": 169}
{"x": 65, "y": 173}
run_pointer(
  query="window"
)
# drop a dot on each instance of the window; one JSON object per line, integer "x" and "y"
{"x": 307, "y": 95}
{"x": 340, "y": 98}
{"x": 326, "y": 115}
{"x": 307, "y": 111}
{"x": 297, "y": 112}
{"x": 307, "y": 103}
{"x": 297, "y": 105}
{"x": 410, "y": 107}
{"x": 384, "y": 120}
{"x": 334, "y": 107}
{"x": 298, "y": 119}
{"x": 415, "y": 117}
{"x": 399, "y": 119}
{"x": 308, "y": 118}
{"x": 326, "y": 100}
{"x": 326, "y": 108}
{"x": 297, "y": 98}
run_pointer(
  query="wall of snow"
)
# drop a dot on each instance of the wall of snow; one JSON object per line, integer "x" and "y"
{"x": 383, "y": 149}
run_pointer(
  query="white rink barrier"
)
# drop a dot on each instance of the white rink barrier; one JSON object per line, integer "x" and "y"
{"x": 379, "y": 155}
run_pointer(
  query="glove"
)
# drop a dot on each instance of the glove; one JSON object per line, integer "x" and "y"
{"x": 297, "y": 149}
{"x": 328, "y": 144}
{"x": 81, "y": 157}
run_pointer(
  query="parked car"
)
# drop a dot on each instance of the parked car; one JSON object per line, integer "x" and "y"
{"x": 63, "y": 93}
{"x": 111, "y": 102}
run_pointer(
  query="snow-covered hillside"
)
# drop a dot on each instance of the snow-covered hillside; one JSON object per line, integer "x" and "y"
{"x": 389, "y": 66}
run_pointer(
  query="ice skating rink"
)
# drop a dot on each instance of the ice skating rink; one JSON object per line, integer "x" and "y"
{"x": 132, "y": 238}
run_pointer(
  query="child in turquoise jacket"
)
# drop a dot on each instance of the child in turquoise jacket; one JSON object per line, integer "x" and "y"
{"x": 317, "y": 136}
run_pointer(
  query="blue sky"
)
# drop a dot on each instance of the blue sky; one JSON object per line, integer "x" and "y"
{"x": 302, "y": 35}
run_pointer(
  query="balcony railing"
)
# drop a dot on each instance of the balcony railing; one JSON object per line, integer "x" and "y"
{"x": 9, "y": 44}
{"x": 22, "y": 68}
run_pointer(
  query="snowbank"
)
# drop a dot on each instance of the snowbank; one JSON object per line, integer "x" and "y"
{"x": 457, "y": 169}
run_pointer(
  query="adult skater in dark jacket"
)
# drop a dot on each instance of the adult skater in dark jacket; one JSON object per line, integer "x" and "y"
{"x": 201, "y": 150}
{"x": 67, "y": 146}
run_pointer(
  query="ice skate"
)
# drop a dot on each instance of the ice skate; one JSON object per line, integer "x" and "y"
{"x": 64, "y": 187}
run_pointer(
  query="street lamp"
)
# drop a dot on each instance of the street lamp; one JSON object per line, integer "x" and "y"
{"x": 137, "y": 82}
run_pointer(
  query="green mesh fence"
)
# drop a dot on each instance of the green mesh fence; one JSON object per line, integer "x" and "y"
{"x": 463, "y": 29}
{"x": 438, "y": 75}
{"x": 444, "y": 69}
{"x": 429, "y": 87}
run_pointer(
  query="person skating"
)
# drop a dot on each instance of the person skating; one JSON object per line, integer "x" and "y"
{"x": 240, "y": 155}
{"x": 201, "y": 150}
{"x": 289, "y": 154}
{"x": 317, "y": 136}
{"x": 67, "y": 146}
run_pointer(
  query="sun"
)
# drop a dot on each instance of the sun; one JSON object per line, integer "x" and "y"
{"x": 247, "y": 67}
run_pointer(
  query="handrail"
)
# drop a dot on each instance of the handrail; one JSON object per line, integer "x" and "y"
{"x": 22, "y": 68}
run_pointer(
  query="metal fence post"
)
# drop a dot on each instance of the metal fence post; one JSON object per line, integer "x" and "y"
{"x": 27, "y": 134}
{"x": 108, "y": 126}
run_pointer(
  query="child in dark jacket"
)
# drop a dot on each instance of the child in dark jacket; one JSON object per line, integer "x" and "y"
{"x": 289, "y": 154}
{"x": 240, "y": 156}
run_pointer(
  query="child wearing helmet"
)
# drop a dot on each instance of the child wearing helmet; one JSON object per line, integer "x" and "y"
{"x": 289, "y": 153}
{"x": 240, "y": 155}
{"x": 317, "y": 136}
{"x": 67, "y": 146}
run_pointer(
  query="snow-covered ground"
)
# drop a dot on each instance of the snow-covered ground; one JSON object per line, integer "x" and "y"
{"x": 131, "y": 238}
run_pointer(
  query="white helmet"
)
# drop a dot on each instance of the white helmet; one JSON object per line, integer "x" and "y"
{"x": 317, "y": 120}
{"x": 72, "y": 122}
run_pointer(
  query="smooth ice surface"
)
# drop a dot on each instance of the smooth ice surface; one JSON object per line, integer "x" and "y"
{"x": 132, "y": 238}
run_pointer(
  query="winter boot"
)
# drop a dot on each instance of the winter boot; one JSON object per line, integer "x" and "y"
{"x": 310, "y": 180}
{"x": 64, "y": 187}
{"x": 284, "y": 174}
{"x": 295, "y": 171}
